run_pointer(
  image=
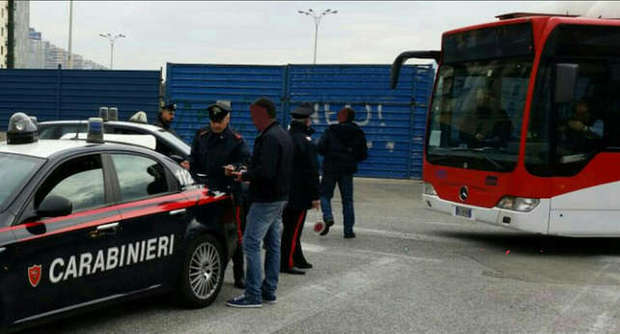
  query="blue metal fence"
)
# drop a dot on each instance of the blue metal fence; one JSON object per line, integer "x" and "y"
{"x": 393, "y": 120}
{"x": 194, "y": 87}
{"x": 77, "y": 94}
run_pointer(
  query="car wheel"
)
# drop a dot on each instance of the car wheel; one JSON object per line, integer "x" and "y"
{"x": 203, "y": 272}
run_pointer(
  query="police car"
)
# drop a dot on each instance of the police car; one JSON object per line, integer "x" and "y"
{"x": 85, "y": 222}
{"x": 167, "y": 143}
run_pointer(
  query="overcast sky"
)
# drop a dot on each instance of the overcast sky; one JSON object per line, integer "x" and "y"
{"x": 269, "y": 32}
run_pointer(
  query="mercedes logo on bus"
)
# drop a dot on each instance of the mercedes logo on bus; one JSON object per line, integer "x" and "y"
{"x": 463, "y": 193}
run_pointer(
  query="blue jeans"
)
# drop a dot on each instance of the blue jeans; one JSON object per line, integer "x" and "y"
{"x": 345, "y": 185}
{"x": 264, "y": 223}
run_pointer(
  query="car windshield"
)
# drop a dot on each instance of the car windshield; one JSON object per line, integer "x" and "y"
{"x": 176, "y": 141}
{"x": 15, "y": 172}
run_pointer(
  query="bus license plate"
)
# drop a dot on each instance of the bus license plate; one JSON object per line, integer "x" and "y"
{"x": 463, "y": 212}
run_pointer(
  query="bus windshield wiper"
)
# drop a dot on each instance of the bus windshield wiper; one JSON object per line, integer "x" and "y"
{"x": 481, "y": 150}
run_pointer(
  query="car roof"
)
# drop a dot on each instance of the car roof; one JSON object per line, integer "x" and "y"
{"x": 145, "y": 126}
{"x": 45, "y": 148}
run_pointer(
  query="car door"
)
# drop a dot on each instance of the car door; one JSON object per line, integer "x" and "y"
{"x": 153, "y": 219}
{"x": 63, "y": 262}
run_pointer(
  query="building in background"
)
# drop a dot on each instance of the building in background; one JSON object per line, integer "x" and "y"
{"x": 21, "y": 24}
{"x": 4, "y": 32}
{"x": 23, "y": 47}
{"x": 36, "y": 51}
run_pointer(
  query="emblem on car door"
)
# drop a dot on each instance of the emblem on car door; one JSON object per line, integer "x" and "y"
{"x": 34, "y": 275}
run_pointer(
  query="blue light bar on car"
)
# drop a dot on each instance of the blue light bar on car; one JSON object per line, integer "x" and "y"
{"x": 21, "y": 130}
{"x": 95, "y": 130}
{"x": 104, "y": 113}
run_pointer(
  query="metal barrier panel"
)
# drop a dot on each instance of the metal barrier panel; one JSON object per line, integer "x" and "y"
{"x": 393, "y": 120}
{"x": 84, "y": 91}
{"x": 34, "y": 92}
{"x": 195, "y": 86}
{"x": 77, "y": 94}
{"x": 388, "y": 117}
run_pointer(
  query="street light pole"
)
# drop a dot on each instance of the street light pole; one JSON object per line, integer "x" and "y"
{"x": 70, "y": 60}
{"x": 111, "y": 38}
{"x": 317, "y": 20}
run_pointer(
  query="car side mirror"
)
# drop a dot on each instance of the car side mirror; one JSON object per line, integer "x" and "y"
{"x": 565, "y": 80}
{"x": 54, "y": 206}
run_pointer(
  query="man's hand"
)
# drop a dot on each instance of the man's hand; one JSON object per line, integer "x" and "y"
{"x": 316, "y": 204}
{"x": 238, "y": 176}
{"x": 576, "y": 125}
{"x": 184, "y": 164}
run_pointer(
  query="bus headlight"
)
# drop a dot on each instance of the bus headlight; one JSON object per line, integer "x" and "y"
{"x": 518, "y": 203}
{"x": 428, "y": 189}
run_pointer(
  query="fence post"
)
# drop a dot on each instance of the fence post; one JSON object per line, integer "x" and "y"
{"x": 58, "y": 90}
{"x": 285, "y": 99}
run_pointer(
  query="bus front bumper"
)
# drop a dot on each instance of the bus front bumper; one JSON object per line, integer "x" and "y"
{"x": 535, "y": 221}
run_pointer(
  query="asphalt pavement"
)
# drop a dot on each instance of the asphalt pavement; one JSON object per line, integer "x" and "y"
{"x": 408, "y": 271}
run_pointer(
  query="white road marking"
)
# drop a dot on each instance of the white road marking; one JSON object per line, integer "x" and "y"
{"x": 363, "y": 253}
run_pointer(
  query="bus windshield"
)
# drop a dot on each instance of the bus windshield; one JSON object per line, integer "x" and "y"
{"x": 477, "y": 112}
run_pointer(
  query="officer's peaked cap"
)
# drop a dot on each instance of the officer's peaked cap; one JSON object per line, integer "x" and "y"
{"x": 303, "y": 111}
{"x": 218, "y": 111}
{"x": 171, "y": 107}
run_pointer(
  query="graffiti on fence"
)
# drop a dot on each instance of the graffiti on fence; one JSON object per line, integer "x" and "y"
{"x": 323, "y": 111}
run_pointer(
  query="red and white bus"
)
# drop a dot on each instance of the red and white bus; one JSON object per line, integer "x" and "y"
{"x": 524, "y": 126}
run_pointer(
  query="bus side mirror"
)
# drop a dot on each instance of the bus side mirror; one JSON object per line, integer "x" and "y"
{"x": 565, "y": 80}
{"x": 402, "y": 58}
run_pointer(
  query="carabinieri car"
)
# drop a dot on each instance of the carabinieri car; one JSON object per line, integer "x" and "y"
{"x": 85, "y": 223}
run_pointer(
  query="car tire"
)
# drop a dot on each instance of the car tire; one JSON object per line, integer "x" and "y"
{"x": 202, "y": 274}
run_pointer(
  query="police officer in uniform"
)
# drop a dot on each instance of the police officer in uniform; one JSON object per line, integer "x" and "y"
{"x": 166, "y": 116}
{"x": 214, "y": 147}
{"x": 304, "y": 193}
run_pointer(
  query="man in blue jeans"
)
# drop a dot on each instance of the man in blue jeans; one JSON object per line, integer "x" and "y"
{"x": 343, "y": 146}
{"x": 269, "y": 174}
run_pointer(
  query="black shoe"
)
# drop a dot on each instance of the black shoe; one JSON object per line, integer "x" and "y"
{"x": 293, "y": 271}
{"x": 349, "y": 235}
{"x": 304, "y": 265}
{"x": 328, "y": 224}
{"x": 240, "y": 284}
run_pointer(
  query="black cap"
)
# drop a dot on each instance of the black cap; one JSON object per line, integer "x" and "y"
{"x": 218, "y": 111}
{"x": 172, "y": 107}
{"x": 303, "y": 111}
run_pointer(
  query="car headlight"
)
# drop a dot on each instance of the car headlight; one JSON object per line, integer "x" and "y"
{"x": 428, "y": 189}
{"x": 521, "y": 204}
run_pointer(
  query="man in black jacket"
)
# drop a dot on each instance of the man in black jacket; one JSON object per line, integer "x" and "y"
{"x": 343, "y": 145}
{"x": 214, "y": 147}
{"x": 269, "y": 175}
{"x": 166, "y": 116}
{"x": 304, "y": 192}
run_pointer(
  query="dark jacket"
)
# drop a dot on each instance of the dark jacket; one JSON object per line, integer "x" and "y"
{"x": 305, "y": 178}
{"x": 269, "y": 172}
{"x": 343, "y": 145}
{"x": 211, "y": 152}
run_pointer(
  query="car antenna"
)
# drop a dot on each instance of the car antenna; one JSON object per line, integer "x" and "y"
{"x": 77, "y": 133}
